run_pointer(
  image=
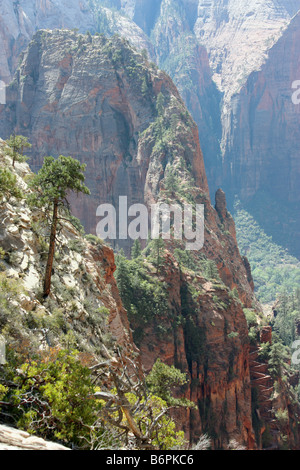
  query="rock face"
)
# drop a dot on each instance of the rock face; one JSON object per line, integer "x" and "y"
{"x": 173, "y": 33}
{"x": 230, "y": 81}
{"x": 82, "y": 281}
{"x": 95, "y": 111}
{"x": 79, "y": 96}
{"x": 211, "y": 347}
{"x": 19, "y": 21}
{"x": 262, "y": 156}
{"x": 237, "y": 34}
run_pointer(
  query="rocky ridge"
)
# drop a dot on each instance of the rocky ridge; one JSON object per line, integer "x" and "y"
{"x": 84, "y": 301}
{"x": 129, "y": 149}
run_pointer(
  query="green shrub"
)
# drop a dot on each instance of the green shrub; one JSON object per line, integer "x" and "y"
{"x": 251, "y": 317}
{"x": 8, "y": 185}
{"x": 54, "y": 396}
{"x": 274, "y": 271}
{"x": 96, "y": 241}
{"x": 144, "y": 298}
{"x": 163, "y": 379}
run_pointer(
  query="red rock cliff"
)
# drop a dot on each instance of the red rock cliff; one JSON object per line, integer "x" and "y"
{"x": 262, "y": 156}
{"x": 96, "y": 100}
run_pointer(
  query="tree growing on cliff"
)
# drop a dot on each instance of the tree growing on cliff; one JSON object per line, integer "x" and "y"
{"x": 8, "y": 185}
{"x": 56, "y": 179}
{"x": 171, "y": 181}
{"x": 136, "y": 250}
{"x": 157, "y": 249}
{"x": 160, "y": 104}
{"x": 16, "y": 146}
{"x": 278, "y": 358}
{"x": 163, "y": 379}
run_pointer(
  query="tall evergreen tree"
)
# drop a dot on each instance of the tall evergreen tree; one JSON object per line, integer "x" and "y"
{"x": 136, "y": 250}
{"x": 56, "y": 179}
{"x": 17, "y": 145}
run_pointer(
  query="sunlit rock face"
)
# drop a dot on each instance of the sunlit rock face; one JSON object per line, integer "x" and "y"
{"x": 262, "y": 162}
{"x": 20, "y": 20}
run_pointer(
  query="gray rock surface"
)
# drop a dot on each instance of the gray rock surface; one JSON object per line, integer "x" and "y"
{"x": 19, "y": 21}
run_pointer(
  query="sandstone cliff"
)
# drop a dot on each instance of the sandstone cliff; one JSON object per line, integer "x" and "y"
{"x": 226, "y": 44}
{"x": 262, "y": 154}
{"x": 210, "y": 344}
{"x": 97, "y": 99}
{"x": 81, "y": 96}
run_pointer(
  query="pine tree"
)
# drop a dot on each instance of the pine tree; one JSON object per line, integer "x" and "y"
{"x": 163, "y": 380}
{"x": 158, "y": 247}
{"x": 278, "y": 358}
{"x": 56, "y": 179}
{"x": 136, "y": 250}
{"x": 144, "y": 88}
{"x": 160, "y": 104}
{"x": 8, "y": 185}
{"x": 17, "y": 145}
{"x": 171, "y": 181}
{"x": 123, "y": 278}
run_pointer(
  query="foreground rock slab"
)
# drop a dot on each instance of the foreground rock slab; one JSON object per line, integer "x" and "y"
{"x": 13, "y": 439}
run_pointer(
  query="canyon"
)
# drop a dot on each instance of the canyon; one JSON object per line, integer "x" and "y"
{"x": 225, "y": 45}
{"x": 96, "y": 98}
{"x": 265, "y": 136}
{"x": 112, "y": 128}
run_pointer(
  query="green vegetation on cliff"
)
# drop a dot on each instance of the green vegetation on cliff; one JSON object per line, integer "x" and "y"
{"x": 274, "y": 271}
{"x": 66, "y": 379}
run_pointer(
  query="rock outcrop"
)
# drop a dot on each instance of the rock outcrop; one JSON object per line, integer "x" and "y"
{"x": 211, "y": 346}
{"x": 13, "y": 439}
{"x": 86, "y": 97}
{"x": 84, "y": 298}
{"x": 20, "y": 20}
